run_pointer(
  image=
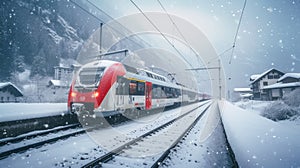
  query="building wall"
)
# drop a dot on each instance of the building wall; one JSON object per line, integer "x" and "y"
{"x": 271, "y": 78}
{"x": 276, "y": 93}
{"x": 62, "y": 73}
{"x": 7, "y": 97}
{"x": 268, "y": 79}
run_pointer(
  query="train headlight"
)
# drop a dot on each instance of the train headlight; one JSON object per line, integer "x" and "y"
{"x": 73, "y": 94}
{"x": 95, "y": 94}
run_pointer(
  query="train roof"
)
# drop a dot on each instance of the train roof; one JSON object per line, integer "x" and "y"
{"x": 137, "y": 73}
{"x": 144, "y": 78}
{"x": 99, "y": 63}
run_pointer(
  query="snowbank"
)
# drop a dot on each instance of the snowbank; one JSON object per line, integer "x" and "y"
{"x": 18, "y": 111}
{"x": 257, "y": 141}
{"x": 253, "y": 105}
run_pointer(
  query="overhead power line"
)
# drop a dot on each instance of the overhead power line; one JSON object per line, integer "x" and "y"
{"x": 97, "y": 18}
{"x": 157, "y": 29}
{"x": 180, "y": 33}
{"x": 115, "y": 20}
{"x": 234, "y": 41}
{"x": 178, "y": 30}
{"x": 237, "y": 31}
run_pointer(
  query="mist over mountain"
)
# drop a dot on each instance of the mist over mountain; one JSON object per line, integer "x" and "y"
{"x": 37, "y": 35}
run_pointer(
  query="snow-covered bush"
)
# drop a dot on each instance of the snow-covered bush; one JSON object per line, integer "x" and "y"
{"x": 279, "y": 111}
{"x": 293, "y": 98}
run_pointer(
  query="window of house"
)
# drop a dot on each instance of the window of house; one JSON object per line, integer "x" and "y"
{"x": 265, "y": 83}
{"x": 270, "y": 77}
{"x": 276, "y": 76}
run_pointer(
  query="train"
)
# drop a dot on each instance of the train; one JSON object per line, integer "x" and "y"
{"x": 104, "y": 88}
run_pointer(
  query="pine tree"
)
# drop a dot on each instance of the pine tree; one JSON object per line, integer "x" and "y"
{"x": 39, "y": 64}
{"x": 19, "y": 65}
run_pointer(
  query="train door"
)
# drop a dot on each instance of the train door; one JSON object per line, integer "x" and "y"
{"x": 148, "y": 95}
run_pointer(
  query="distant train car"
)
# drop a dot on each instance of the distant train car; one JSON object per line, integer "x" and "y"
{"x": 104, "y": 88}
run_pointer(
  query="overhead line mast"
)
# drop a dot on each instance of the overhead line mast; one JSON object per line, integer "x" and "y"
{"x": 97, "y": 18}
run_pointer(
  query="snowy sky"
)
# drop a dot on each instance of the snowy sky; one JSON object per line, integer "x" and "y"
{"x": 268, "y": 36}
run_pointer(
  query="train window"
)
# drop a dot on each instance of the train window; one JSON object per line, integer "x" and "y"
{"x": 169, "y": 93}
{"x": 141, "y": 88}
{"x": 154, "y": 91}
{"x": 132, "y": 88}
{"x": 148, "y": 74}
{"x": 91, "y": 76}
{"x": 122, "y": 86}
{"x": 136, "y": 88}
{"x": 158, "y": 92}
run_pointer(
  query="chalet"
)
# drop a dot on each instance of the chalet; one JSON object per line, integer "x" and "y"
{"x": 258, "y": 82}
{"x": 284, "y": 85}
{"x": 9, "y": 93}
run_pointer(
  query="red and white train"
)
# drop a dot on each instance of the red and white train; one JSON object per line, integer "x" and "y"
{"x": 104, "y": 88}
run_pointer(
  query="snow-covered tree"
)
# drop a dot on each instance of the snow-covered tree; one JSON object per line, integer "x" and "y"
{"x": 279, "y": 111}
{"x": 293, "y": 98}
{"x": 39, "y": 64}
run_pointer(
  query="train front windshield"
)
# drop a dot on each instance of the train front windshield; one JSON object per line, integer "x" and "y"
{"x": 89, "y": 77}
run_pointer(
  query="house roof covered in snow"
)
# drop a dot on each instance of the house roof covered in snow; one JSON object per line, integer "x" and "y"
{"x": 264, "y": 74}
{"x": 246, "y": 95}
{"x": 253, "y": 77}
{"x": 283, "y": 85}
{"x": 289, "y": 75}
{"x": 57, "y": 83}
{"x": 242, "y": 90}
{"x": 9, "y": 87}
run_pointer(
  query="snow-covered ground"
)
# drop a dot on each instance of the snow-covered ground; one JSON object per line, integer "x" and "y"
{"x": 18, "y": 111}
{"x": 258, "y": 141}
{"x": 78, "y": 150}
{"x": 204, "y": 146}
{"x": 255, "y": 140}
{"x": 258, "y": 107}
{"x": 253, "y": 105}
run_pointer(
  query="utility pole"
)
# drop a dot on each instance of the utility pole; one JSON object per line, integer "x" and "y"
{"x": 100, "y": 40}
{"x": 220, "y": 87}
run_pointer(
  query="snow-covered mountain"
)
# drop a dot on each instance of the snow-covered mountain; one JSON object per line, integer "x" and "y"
{"x": 40, "y": 33}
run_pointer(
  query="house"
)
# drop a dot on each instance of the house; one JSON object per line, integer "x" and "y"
{"x": 244, "y": 93}
{"x": 62, "y": 77}
{"x": 9, "y": 93}
{"x": 284, "y": 85}
{"x": 258, "y": 82}
{"x": 54, "y": 84}
{"x": 62, "y": 73}
{"x": 61, "y": 82}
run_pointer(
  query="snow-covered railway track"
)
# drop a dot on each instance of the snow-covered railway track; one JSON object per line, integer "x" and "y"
{"x": 21, "y": 144}
{"x": 157, "y": 142}
{"x": 33, "y": 135}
